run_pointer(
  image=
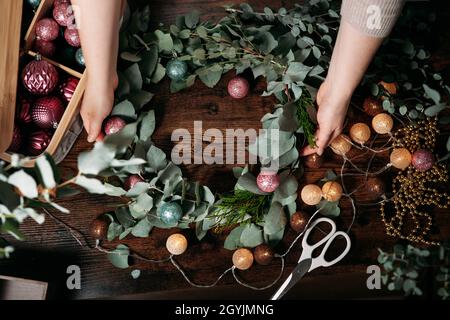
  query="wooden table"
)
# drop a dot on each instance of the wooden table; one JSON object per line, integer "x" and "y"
{"x": 50, "y": 249}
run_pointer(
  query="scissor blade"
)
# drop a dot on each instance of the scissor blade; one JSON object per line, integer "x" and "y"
{"x": 298, "y": 273}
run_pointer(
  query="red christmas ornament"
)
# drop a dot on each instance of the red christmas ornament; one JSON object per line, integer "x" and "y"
{"x": 72, "y": 37}
{"x": 67, "y": 89}
{"x": 38, "y": 142}
{"x": 45, "y": 48}
{"x": 268, "y": 181}
{"x": 23, "y": 111}
{"x": 114, "y": 125}
{"x": 132, "y": 181}
{"x": 47, "y": 29}
{"x": 423, "y": 160}
{"x": 63, "y": 14}
{"x": 238, "y": 88}
{"x": 17, "y": 140}
{"x": 40, "y": 77}
{"x": 47, "y": 112}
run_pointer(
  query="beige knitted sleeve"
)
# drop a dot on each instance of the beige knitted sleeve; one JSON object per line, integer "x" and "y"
{"x": 375, "y": 18}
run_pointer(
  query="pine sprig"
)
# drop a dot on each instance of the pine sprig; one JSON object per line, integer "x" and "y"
{"x": 241, "y": 207}
{"x": 305, "y": 120}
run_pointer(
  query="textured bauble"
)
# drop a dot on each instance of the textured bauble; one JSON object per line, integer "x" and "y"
{"x": 299, "y": 221}
{"x": 332, "y": 191}
{"x": 60, "y": 2}
{"x": 390, "y": 87}
{"x": 79, "y": 57}
{"x": 360, "y": 133}
{"x": 47, "y": 112}
{"x": 243, "y": 259}
{"x": 177, "y": 70}
{"x": 423, "y": 160}
{"x": 38, "y": 142}
{"x": 311, "y": 195}
{"x": 375, "y": 188}
{"x": 17, "y": 140}
{"x": 401, "y": 158}
{"x": 34, "y": 3}
{"x": 383, "y": 123}
{"x": 132, "y": 181}
{"x": 170, "y": 213}
{"x": 63, "y": 14}
{"x": 177, "y": 244}
{"x": 372, "y": 106}
{"x": 47, "y": 29}
{"x": 314, "y": 161}
{"x": 72, "y": 37}
{"x": 114, "y": 125}
{"x": 40, "y": 77}
{"x": 238, "y": 88}
{"x": 268, "y": 181}
{"x": 45, "y": 48}
{"x": 23, "y": 111}
{"x": 341, "y": 145}
{"x": 264, "y": 255}
{"x": 68, "y": 87}
{"x": 99, "y": 228}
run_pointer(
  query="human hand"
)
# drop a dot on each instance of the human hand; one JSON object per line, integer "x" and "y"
{"x": 97, "y": 104}
{"x": 331, "y": 116}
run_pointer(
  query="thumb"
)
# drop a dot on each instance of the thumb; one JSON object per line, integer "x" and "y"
{"x": 324, "y": 137}
{"x": 94, "y": 129}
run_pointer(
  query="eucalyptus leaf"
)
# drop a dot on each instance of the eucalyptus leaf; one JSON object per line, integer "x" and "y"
{"x": 119, "y": 257}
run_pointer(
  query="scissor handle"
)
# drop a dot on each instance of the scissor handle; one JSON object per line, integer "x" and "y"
{"x": 308, "y": 249}
{"x": 320, "y": 261}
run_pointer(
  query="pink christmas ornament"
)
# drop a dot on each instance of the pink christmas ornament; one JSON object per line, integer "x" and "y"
{"x": 238, "y": 88}
{"x": 47, "y": 29}
{"x": 47, "y": 112}
{"x": 268, "y": 181}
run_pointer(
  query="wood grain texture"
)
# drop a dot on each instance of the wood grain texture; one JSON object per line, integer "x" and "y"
{"x": 50, "y": 249}
{"x": 10, "y": 22}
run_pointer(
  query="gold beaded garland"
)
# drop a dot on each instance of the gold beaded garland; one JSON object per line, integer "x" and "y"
{"x": 360, "y": 133}
{"x": 414, "y": 189}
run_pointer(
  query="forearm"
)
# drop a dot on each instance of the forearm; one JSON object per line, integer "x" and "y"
{"x": 352, "y": 55}
{"x": 365, "y": 23}
{"x": 99, "y": 28}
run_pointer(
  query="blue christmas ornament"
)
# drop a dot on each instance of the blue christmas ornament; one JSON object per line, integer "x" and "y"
{"x": 80, "y": 58}
{"x": 170, "y": 213}
{"x": 34, "y": 3}
{"x": 177, "y": 70}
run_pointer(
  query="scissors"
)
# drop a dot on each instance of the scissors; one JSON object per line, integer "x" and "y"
{"x": 307, "y": 263}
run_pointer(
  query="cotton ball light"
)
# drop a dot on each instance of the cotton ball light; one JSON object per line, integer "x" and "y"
{"x": 383, "y": 123}
{"x": 177, "y": 244}
{"x": 341, "y": 145}
{"x": 360, "y": 133}
{"x": 243, "y": 259}
{"x": 311, "y": 194}
{"x": 401, "y": 158}
{"x": 332, "y": 191}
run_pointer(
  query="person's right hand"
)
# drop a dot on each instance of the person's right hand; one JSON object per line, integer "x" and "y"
{"x": 333, "y": 107}
{"x": 97, "y": 104}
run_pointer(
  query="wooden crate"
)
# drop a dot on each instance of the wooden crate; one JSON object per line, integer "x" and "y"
{"x": 12, "y": 51}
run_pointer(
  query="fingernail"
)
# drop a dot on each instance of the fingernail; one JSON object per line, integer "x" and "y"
{"x": 91, "y": 139}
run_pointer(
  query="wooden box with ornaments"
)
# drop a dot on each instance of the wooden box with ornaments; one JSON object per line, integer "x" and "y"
{"x": 43, "y": 78}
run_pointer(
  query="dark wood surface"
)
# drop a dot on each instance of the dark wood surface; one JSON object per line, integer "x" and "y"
{"x": 49, "y": 249}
